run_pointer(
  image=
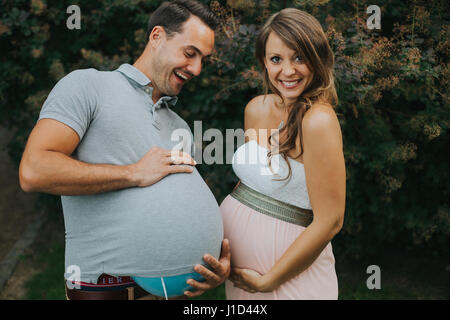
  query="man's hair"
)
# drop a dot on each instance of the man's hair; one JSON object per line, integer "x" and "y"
{"x": 171, "y": 15}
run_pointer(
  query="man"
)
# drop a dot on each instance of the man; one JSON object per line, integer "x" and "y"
{"x": 103, "y": 141}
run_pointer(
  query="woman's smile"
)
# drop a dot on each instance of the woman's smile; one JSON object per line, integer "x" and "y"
{"x": 290, "y": 84}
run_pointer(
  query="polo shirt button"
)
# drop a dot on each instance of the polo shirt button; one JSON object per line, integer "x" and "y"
{"x": 147, "y": 90}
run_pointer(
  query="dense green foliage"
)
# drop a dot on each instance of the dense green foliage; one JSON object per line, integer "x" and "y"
{"x": 392, "y": 87}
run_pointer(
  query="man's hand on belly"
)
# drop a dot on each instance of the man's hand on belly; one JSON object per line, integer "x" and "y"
{"x": 220, "y": 271}
{"x": 158, "y": 163}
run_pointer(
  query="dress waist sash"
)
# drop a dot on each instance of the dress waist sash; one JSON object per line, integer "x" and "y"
{"x": 272, "y": 207}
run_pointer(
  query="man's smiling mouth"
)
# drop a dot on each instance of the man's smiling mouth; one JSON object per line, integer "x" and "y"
{"x": 181, "y": 75}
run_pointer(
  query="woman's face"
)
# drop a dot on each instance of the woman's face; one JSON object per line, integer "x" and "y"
{"x": 287, "y": 72}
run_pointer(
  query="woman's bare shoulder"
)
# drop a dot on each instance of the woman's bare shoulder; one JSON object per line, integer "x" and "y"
{"x": 257, "y": 111}
{"x": 320, "y": 118}
{"x": 259, "y": 107}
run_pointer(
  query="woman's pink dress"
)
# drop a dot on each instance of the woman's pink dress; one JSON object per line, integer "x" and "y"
{"x": 257, "y": 240}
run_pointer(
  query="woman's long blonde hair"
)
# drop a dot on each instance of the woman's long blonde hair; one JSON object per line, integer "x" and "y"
{"x": 302, "y": 33}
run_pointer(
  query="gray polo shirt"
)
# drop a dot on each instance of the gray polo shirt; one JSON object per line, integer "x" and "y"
{"x": 160, "y": 230}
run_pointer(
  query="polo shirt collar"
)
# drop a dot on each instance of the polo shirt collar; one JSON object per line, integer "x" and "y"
{"x": 135, "y": 74}
{"x": 140, "y": 78}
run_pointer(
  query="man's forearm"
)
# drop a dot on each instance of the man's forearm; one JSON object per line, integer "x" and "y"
{"x": 56, "y": 173}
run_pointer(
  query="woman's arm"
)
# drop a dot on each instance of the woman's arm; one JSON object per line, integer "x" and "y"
{"x": 325, "y": 176}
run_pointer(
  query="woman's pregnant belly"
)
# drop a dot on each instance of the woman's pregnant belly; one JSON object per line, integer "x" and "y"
{"x": 161, "y": 230}
{"x": 257, "y": 241}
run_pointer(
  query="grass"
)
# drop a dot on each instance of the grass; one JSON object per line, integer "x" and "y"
{"x": 357, "y": 290}
{"x": 403, "y": 284}
{"x": 48, "y": 284}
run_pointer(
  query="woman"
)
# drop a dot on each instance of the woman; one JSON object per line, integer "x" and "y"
{"x": 280, "y": 221}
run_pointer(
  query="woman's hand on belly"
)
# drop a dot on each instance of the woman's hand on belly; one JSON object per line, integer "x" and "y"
{"x": 250, "y": 280}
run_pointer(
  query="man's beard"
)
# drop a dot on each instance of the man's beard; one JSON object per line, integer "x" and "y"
{"x": 162, "y": 80}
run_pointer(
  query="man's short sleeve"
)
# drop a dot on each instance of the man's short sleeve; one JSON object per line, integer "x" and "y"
{"x": 73, "y": 101}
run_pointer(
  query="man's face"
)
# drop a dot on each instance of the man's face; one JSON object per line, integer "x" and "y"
{"x": 179, "y": 58}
